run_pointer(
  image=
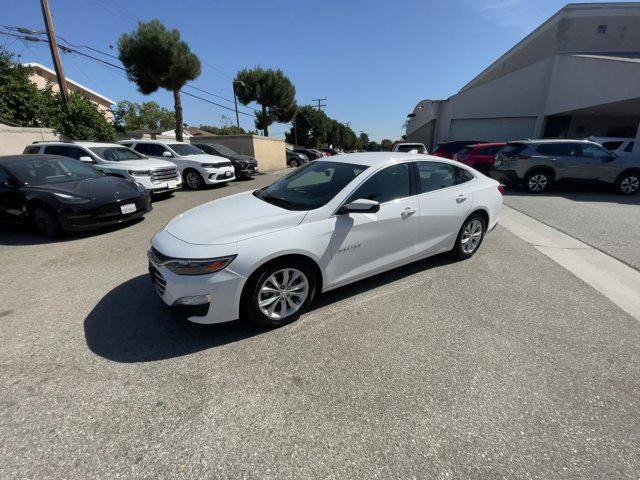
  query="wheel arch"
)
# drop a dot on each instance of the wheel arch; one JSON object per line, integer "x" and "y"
{"x": 627, "y": 171}
{"x": 541, "y": 168}
{"x": 258, "y": 268}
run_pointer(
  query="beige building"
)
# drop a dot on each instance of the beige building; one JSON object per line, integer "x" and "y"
{"x": 42, "y": 75}
{"x": 268, "y": 151}
{"x": 576, "y": 75}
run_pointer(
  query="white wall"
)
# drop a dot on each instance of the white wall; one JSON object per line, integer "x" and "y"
{"x": 14, "y": 139}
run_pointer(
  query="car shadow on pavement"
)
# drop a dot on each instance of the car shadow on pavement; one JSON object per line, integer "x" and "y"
{"x": 131, "y": 324}
{"x": 16, "y": 234}
{"x": 578, "y": 193}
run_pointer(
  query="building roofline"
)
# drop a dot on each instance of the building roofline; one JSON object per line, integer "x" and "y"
{"x": 547, "y": 23}
{"x": 72, "y": 82}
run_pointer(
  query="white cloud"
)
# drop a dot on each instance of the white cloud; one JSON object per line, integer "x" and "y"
{"x": 521, "y": 15}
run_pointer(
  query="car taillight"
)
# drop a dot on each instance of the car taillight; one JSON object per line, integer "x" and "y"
{"x": 501, "y": 189}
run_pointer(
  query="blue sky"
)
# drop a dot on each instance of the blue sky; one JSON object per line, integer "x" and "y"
{"x": 372, "y": 59}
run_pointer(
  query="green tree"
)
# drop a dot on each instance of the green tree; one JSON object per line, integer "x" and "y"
{"x": 22, "y": 102}
{"x": 373, "y": 146}
{"x": 363, "y": 141}
{"x": 154, "y": 58}
{"x": 386, "y": 145}
{"x": 148, "y": 115}
{"x": 272, "y": 90}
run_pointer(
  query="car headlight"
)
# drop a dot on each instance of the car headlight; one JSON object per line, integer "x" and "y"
{"x": 184, "y": 266}
{"x": 139, "y": 173}
{"x": 66, "y": 198}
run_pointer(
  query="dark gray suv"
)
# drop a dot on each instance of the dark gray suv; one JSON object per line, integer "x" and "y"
{"x": 538, "y": 163}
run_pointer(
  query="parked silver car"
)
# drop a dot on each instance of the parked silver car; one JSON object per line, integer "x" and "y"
{"x": 539, "y": 163}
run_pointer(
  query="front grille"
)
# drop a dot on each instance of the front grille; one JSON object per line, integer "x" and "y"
{"x": 164, "y": 174}
{"x": 157, "y": 279}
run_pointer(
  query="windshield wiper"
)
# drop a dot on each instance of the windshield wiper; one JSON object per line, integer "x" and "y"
{"x": 277, "y": 201}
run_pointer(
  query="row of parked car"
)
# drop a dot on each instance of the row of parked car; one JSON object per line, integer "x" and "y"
{"x": 537, "y": 164}
{"x": 64, "y": 187}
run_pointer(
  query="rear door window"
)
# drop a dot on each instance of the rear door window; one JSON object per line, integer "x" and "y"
{"x": 559, "y": 149}
{"x": 32, "y": 149}
{"x": 435, "y": 176}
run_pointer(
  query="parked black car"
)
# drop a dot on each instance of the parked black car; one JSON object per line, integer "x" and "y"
{"x": 244, "y": 165}
{"x": 309, "y": 152}
{"x": 60, "y": 195}
{"x": 295, "y": 159}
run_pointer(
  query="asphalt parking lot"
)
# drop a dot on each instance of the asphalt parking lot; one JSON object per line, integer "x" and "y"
{"x": 503, "y": 366}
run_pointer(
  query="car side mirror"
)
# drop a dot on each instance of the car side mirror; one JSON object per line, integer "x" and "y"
{"x": 361, "y": 205}
{"x": 167, "y": 154}
{"x": 86, "y": 159}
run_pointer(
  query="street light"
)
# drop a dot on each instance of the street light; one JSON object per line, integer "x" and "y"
{"x": 235, "y": 100}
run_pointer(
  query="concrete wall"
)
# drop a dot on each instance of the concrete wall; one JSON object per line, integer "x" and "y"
{"x": 269, "y": 152}
{"x": 14, "y": 139}
{"x": 574, "y": 29}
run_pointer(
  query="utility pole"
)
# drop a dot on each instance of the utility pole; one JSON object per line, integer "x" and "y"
{"x": 235, "y": 100}
{"x": 55, "y": 53}
{"x": 320, "y": 104}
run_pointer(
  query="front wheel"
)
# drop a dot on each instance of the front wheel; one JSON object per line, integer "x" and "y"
{"x": 193, "y": 180}
{"x": 279, "y": 293}
{"x": 47, "y": 223}
{"x": 628, "y": 183}
{"x": 469, "y": 237}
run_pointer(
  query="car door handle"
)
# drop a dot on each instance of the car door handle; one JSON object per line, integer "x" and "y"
{"x": 461, "y": 198}
{"x": 408, "y": 211}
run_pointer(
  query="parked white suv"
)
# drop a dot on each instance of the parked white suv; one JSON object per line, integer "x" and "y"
{"x": 197, "y": 168}
{"x": 157, "y": 176}
{"x": 619, "y": 145}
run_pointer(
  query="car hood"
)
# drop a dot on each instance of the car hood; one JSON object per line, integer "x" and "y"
{"x": 106, "y": 189}
{"x": 242, "y": 158}
{"x": 143, "y": 164}
{"x": 205, "y": 158}
{"x": 232, "y": 219}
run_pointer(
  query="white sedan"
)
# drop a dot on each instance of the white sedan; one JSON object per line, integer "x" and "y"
{"x": 266, "y": 254}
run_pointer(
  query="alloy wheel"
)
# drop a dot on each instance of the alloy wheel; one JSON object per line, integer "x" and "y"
{"x": 283, "y": 293}
{"x": 193, "y": 180}
{"x": 538, "y": 182}
{"x": 630, "y": 184}
{"x": 471, "y": 236}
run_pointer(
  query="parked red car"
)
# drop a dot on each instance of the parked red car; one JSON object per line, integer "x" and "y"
{"x": 449, "y": 149}
{"x": 480, "y": 156}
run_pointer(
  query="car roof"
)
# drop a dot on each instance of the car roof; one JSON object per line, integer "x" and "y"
{"x": 78, "y": 143}
{"x": 488, "y": 144}
{"x": 6, "y": 159}
{"x": 144, "y": 140}
{"x": 551, "y": 140}
{"x": 373, "y": 159}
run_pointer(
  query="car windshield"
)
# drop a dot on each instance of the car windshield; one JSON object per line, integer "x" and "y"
{"x": 184, "y": 149}
{"x": 44, "y": 171}
{"x": 310, "y": 186}
{"x": 117, "y": 154}
{"x": 222, "y": 150}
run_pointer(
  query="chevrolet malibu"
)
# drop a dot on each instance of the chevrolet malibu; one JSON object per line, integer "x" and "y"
{"x": 264, "y": 255}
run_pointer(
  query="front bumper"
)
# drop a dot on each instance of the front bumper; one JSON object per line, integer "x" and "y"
{"x": 218, "y": 175}
{"x": 222, "y": 289}
{"x": 104, "y": 216}
{"x": 246, "y": 171}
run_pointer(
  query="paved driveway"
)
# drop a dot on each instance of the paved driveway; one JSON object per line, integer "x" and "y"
{"x": 601, "y": 219}
{"x": 503, "y": 366}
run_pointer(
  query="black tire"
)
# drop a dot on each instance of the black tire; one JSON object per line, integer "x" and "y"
{"x": 628, "y": 183}
{"x": 249, "y": 307}
{"x": 193, "y": 180}
{"x": 461, "y": 249}
{"x": 47, "y": 223}
{"x": 537, "y": 181}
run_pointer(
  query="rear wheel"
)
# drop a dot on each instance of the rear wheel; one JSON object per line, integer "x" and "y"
{"x": 47, "y": 223}
{"x": 537, "y": 181}
{"x": 469, "y": 237}
{"x": 193, "y": 180}
{"x": 279, "y": 293}
{"x": 628, "y": 183}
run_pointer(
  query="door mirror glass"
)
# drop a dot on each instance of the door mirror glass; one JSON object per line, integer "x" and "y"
{"x": 167, "y": 153}
{"x": 86, "y": 159}
{"x": 361, "y": 205}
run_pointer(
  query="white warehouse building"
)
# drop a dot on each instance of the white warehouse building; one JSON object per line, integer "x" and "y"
{"x": 576, "y": 75}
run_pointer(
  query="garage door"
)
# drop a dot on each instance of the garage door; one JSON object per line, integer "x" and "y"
{"x": 492, "y": 129}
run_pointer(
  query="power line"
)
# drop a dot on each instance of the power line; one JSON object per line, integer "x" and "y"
{"x": 320, "y": 104}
